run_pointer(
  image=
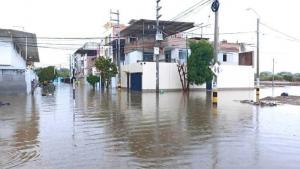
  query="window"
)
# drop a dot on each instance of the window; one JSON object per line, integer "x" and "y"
{"x": 182, "y": 54}
{"x": 148, "y": 56}
{"x": 224, "y": 57}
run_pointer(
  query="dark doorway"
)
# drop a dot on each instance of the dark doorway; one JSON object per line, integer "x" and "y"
{"x": 136, "y": 81}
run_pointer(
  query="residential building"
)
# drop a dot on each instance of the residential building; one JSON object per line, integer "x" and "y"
{"x": 236, "y": 68}
{"x": 109, "y": 46}
{"x": 84, "y": 59}
{"x": 18, "y": 53}
{"x": 139, "y": 69}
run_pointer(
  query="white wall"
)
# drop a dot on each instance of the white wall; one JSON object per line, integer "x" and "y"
{"x": 232, "y": 58}
{"x": 131, "y": 68}
{"x": 232, "y": 76}
{"x": 5, "y": 54}
{"x": 9, "y": 58}
{"x": 133, "y": 57}
{"x": 29, "y": 76}
{"x": 168, "y": 77}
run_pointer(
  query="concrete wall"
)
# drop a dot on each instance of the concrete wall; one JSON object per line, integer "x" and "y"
{"x": 10, "y": 59}
{"x": 131, "y": 68}
{"x": 232, "y": 58}
{"x": 12, "y": 82}
{"x": 14, "y": 77}
{"x": 230, "y": 77}
{"x": 133, "y": 57}
{"x": 5, "y": 57}
{"x": 29, "y": 76}
{"x": 233, "y": 76}
{"x": 169, "y": 76}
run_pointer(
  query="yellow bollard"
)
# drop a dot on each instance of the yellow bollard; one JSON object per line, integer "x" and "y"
{"x": 215, "y": 96}
{"x": 257, "y": 94}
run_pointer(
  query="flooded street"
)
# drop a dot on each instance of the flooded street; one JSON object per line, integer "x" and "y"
{"x": 138, "y": 130}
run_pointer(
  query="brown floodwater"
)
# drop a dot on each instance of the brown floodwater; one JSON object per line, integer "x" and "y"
{"x": 141, "y": 130}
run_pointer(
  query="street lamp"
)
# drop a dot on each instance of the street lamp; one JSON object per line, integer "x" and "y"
{"x": 257, "y": 52}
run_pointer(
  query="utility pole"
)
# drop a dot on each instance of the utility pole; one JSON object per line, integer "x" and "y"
{"x": 73, "y": 75}
{"x": 257, "y": 62}
{"x": 257, "y": 54}
{"x": 158, "y": 38}
{"x": 215, "y": 8}
{"x": 273, "y": 72}
{"x": 26, "y": 50}
{"x": 117, "y": 20}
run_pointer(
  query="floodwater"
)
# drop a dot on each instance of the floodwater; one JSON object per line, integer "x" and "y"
{"x": 139, "y": 130}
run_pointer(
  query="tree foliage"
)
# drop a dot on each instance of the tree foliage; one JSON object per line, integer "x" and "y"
{"x": 64, "y": 73}
{"x": 107, "y": 69}
{"x": 93, "y": 80}
{"x": 281, "y": 76}
{"x": 199, "y": 62}
{"x": 46, "y": 74}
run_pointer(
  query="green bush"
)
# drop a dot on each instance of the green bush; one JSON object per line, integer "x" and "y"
{"x": 92, "y": 80}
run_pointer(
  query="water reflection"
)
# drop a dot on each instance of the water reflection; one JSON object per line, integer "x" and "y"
{"x": 120, "y": 129}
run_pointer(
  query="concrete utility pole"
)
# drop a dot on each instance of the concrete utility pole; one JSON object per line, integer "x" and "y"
{"x": 73, "y": 74}
{"x": 158, "y": 38}
{"x": 117, "y": 20}
{"x": 273, "y": 72}
{"x": 257, "y": 54}
{"x": 215, "y": 8}
{"x": 257, "y": 64}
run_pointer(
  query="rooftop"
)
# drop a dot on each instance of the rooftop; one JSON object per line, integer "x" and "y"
{"x": 19, "y": 39}
{"x": 148, "y": 27}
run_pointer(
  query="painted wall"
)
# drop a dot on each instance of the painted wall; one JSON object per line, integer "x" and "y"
{"x": 233, "y": 76}
{"x": 14, "y": 78}
{"x": 232, "y": 58}
{"x": 133, "y": 57}
{"x": 5, "y": 57}
{"x": 29, "y": 76}
{"x": 10, "y": 59}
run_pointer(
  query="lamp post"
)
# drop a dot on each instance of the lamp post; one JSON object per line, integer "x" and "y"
{"x": 257, "y": 53}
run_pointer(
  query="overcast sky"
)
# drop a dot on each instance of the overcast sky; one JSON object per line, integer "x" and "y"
{"x": 85, "y": 18}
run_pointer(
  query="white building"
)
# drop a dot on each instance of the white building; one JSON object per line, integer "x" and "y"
{"x": 139, "y": 69}
{"x": 84, "y": 59}
{"x": 18, "y": 53}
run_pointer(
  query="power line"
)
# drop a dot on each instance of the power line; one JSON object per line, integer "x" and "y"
{"x": 282, "y": 33}
{"x": 190, "y": 9}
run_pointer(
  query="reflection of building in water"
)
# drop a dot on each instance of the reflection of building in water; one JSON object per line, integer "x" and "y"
{"x": 27, "y": 130}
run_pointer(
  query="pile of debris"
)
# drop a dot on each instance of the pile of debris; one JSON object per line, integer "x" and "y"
{"x": 284, "y": 98}
{"x": 261, "y": 102}
{"x": 293, "y": 100}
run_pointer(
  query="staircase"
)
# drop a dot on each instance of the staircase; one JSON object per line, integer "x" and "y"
{"x": 182, "y": 70}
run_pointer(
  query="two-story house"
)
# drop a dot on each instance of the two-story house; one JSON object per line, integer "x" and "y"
{"x": 18, "y": 53}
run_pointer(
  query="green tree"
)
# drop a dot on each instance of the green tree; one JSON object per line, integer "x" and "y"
{"x": 199, "y": 62}
{"x": 46, "y": 74}
{"x": 266, "y": 76}
{"x": 93, "y": 80}
{"x": 288, "y": 76}
{"x": 64, "y": 73}
{"x": 107, "y": 69}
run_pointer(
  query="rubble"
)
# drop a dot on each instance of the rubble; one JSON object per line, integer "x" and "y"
{"x": 274, "y": 101}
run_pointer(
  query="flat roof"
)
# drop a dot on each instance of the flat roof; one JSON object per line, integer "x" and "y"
{"x": 148, "y": 27}
{"x": 19, "y": 39}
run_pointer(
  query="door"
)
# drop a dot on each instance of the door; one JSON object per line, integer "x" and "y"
{"x": 136, "y": 81}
